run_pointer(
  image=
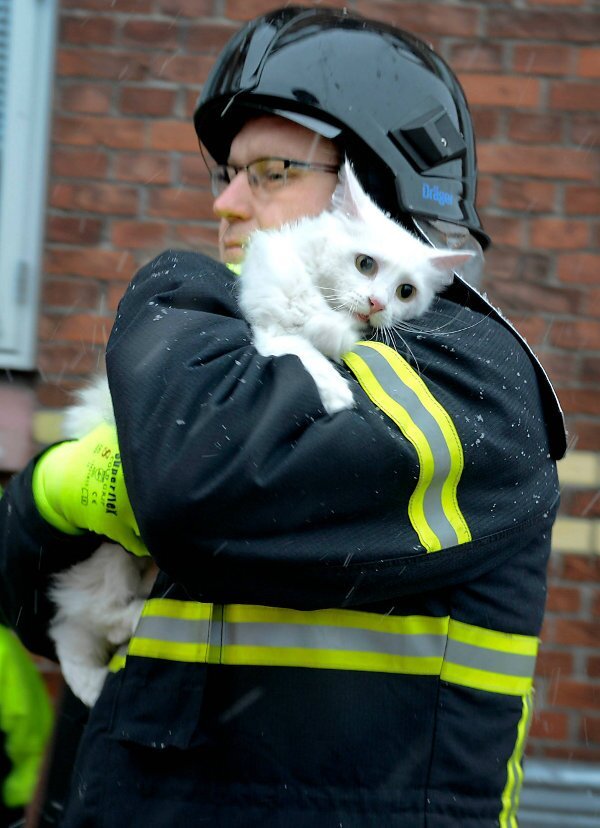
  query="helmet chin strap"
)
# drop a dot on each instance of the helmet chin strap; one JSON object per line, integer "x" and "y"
{"x": 444, "y": 234}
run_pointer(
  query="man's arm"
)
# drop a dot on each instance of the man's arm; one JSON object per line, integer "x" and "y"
{"x": 245, "y": 491}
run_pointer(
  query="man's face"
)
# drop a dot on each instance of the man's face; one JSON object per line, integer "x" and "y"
{"x": 306, "y": 193}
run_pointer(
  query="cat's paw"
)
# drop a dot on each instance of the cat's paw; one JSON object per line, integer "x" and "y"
{"x": 335, "y": 392}
{"x": 122, "y": 629}
{"x": 85, "y": 682}
{"x": 332, "y": 334}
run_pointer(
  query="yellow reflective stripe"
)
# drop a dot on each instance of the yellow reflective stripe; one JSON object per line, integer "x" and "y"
{"x": 526, "y": 645}
{"x": 402, "y": 624}
{"x": 169, "y": 650}
{"x": 485, "y": 680}
{"x": 475, "y": 657}
{"x": 514, "y": 768}
{"x": 457, "y": 652}
{"x": 433, "y": 507}
{"x": 330, "y": 660}
{"x": 172, "y": 608}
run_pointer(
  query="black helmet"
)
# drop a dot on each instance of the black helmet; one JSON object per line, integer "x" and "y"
{"x": 393, "y": 104}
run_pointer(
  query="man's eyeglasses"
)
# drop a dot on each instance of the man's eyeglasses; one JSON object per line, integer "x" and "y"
{"x": 264, "y": 175}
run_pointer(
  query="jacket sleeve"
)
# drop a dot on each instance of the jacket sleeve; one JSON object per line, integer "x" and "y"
{"x": 31, "y": 551}
{"x": 243, "y": 488}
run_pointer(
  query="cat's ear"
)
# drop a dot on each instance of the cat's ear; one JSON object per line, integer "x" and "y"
{"x": 349, "y": 197}
{"x": 445, "y": 262}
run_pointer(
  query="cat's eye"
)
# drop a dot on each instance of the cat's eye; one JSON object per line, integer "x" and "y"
{"x": 406, "y": 291}
{"x": 366, "y": 264}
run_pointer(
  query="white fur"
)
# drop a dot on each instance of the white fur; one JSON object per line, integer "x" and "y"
{"x": 98, "y": 601}
{"x": 302, "y": 293}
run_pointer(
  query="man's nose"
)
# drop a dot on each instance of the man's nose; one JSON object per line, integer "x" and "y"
{"x": 236, "y": 198}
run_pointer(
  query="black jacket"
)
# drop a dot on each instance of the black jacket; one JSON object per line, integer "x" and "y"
{"x": 345, "y": 624}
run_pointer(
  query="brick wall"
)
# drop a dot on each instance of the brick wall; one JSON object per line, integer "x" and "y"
{"x": 127, "y": 181}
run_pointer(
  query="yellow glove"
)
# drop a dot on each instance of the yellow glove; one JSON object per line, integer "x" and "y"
{"x": 79, "y": 486}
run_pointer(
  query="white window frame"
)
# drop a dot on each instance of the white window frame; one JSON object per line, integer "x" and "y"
{"x": 23, "y": 175}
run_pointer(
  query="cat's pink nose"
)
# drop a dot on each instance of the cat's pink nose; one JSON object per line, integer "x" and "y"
{"x": 375, "y": 305}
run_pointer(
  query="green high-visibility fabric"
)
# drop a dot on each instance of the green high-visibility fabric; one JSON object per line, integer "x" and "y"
{"x": 25, "y": 719}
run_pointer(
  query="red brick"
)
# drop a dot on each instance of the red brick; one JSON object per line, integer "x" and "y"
{"x": 543, "y": 59}
{"x": 593, "y": 666}
{"x": 56, "y": 394}
{"x": 575, "y": 96}
{"x": 139, "y": 234}
{"x": 87, "y": 30}
{"x": 486, "y": 187}
{"x": 588, "y": 65}
{"x": 143, "y": 167}
{"x": 96, "y": 264}
{"x": 563, "y": 599}
{"x": 506, "y": 232}
{"x": 95, "y": 198}
{"x": 187, "y": 8}
{"x": 581, "y": 334}
{"x": 535, "y": 128}
{"x": 208, "y": 38}
{"x": 143, "y": 100}
{"x": 75, "y": 163}
{"x": 500, "y": 90}
{"x": 73, "y": 230}
{"x": 151, "y": 33}
{"x": 185, "y": 69}
{"x": 549, "y": 725}
{"x": 500, "y": 264}
{"x": 551, "y": 663}
{"x": 199, "y": 237}
{"x": 114, "y": 296}
{"x": 193, "y": 172}
{"x": 579, "y": 568}
{"x": 477, "y": 56}
{"x": 573, "y": 754}
{"x": 579, "y": 267}
{"x": 577, "y": 633}
{"x": 577, "y": 694}
{"x": 486, "y": 122}
{"x": 70, "y": 294}
{"x": 533, "y": 329}
{"x": 538, "y": 298}
{"x": 60, "y": 358}
{"x": 173, "y": 136}
{"x": 590, "y": 369}
{"x": 558, "y": 234}
{"x": 529, "y": 196}
{"x": 89, "y": 98}
{"x": 134, "y": 6}
{"x": 580, "y": 401}
{"x": 78, "y": 327}
{"x": 180, "y": 204}
{"x": 96, "y": 64}
{"x": 590, "y": 729}
{"x": 582, "y": 200}
{"x": 543, "y": 25}
{"x": 561, "y": 367}
{"x": 535, "y": 162}
{"x": 117, "y": 133}
{"x": 587, "y": 433}
{"x": 584, "y": 129}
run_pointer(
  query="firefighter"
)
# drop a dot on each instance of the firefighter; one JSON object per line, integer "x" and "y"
{"x": 344, "y": 627}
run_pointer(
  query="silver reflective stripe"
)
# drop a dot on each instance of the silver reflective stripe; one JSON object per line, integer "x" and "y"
{"x": 179, "y": 630}
{"x": 332, "y": 638}
{"x": 407, "y": 398}
{"x": 484, "y": 658}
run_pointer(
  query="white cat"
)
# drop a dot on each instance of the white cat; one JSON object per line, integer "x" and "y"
{"x": 312, "y": 289}
{"x": 315, "y": 287}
